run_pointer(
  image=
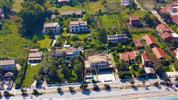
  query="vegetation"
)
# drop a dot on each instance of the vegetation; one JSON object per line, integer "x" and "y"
{"x": 32, "y": 71}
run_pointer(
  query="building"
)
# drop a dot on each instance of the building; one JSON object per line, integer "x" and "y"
{"x": 51, "y": 27}
{"x": 63, "y": 2}
{"x": 129, "y": 57}
{"x": 171, "y": 9}
{"x": 8, "y": 65}
{"x": 159, "y": 53}
{"x": 78, "y": 27}
{"x": 150, "y": 40}
{"x": 175, "y": 19}
{"x": 100, "y": 66}
{"x": 175, "y": 52}
{"x": 35, "y": 56}
{"x": 125, "y": 3}
{"x": 146, "y": 60}
{"x": 72, "y": 13}
{"x": 67, "y": 52}
{"x": 164, "y": 32}
{"x": 1, "y": 14}
{"x": 135, "y": 21}
{"x": 122, "y": 38}
{"x": 138, "y": 44}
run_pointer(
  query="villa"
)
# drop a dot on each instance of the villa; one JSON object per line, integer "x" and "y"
{"x": 101, "y": 66}
{"x": 35, "y": 56}
{"x": 135, "y": 21}
{"x": 79, "y": 26}
{"x": 164, "y": 32}
{"x": 8, "y": 65}
{"x": 146, "y": 60}
{"x": 67, "y": 52}
{"x": 51, "y": 27}
{"x": 150, "y": 40}
{"x": 122, "y": 38}
{"x": 159, "y": 53}
{"x": 129, "y": 57}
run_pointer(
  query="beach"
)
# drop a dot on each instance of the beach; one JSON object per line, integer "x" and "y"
{"x": 113, "y": 94}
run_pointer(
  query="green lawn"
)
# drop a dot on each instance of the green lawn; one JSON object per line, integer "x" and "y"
{"x": 30, "y": 74}
{"x": 93, "y": 7}
{"x": 139, "y": 35}
{"x": 65, "y": 8}
{"x": 17, "y": 5}
{"x": 169, "y": 69}
{"x": 46, "y": 42}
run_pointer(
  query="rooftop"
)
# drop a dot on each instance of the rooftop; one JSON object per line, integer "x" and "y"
{"x": 7, "y": 62}
{"x": 51, "y": 24}
{"x": 159, "y": 53}
{"x": 150, "y": 39}
{"x": 127, "y": 56}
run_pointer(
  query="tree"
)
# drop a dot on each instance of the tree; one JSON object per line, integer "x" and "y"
{"x": 33, "y": 17}
{"x": 6, "y": 5}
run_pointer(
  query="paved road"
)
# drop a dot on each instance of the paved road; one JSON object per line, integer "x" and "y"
{"x": 139, "y": 5}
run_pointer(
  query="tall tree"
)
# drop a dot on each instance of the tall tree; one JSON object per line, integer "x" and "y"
{"x": 33, "y": 17}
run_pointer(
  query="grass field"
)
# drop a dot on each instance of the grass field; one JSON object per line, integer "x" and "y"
{"x": 30, "y": 74}
{"x": 17, "y": 5}
{"x": 46, "y": 42}
{"x": 93, "y": 7}
{"x": 12, "y": 45}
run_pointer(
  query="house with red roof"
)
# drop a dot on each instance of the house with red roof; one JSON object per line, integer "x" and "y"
{"x": 138, "y": 44}
{"x": 129, "y": 57}
{"x": 175, "y": 19}
{"x": 150, "y": 40}
{"x": 175, "y": 52}
{"x": 146, "y": 60}
{"x": 159, "y": 53}
{"x": 164, "y": 32}
{"x": 135, "y": 21}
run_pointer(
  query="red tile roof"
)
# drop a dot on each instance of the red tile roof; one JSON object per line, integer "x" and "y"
{"x": 159, "y": 53}
{"x": 134, "y": 18}
{"x": 127, "y": 56}
{"x": 175, "y": 19}
{"x": 162, "y": 28}
{"x": 166, "y": 35}
{"x": 138, "y": 43}
{"x": 145, "y": 57}
{"x": 124, "y": 56}
{"x": 150, "y": 40}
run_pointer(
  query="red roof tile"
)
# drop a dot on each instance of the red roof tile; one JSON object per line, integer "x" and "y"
{"x": 162, "y": 28}
{"x": 159, "y": 53}
{"x": 150, "y": 40}
{"x": 175, "y": 19}
{"x": 145, "y": 57}
{"x": 127, "y": 56}
{"x": 134, "y": 18}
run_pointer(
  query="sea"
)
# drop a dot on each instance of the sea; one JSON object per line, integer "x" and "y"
{"x": 165, "y": 98}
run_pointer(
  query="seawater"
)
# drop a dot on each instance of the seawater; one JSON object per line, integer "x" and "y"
{"x": 165, "y": 98}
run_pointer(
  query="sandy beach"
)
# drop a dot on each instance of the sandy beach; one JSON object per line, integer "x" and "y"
{"x": 114, "y": 94}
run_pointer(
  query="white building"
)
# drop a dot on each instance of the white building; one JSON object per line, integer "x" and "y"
{"x": 125, "y": 2}
{"x": 78, "y": 27}
{"x": 8, "y": 65}
{"x": 51, "y": 27}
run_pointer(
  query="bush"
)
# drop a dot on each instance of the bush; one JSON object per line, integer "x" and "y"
{"x": 107, "y": 87}
{"x": 83, "y": 86}
{"x": 96, "y": 88}
{"x": 7, "y": 94}
{"x": 36, "y": 93}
